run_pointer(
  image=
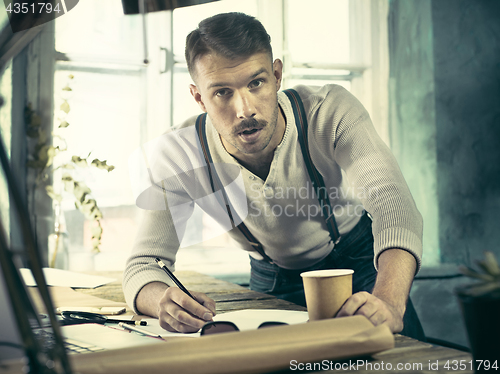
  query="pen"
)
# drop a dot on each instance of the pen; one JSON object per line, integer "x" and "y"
{"x": 172, "y": 276}
{"x": 137, "y": 329}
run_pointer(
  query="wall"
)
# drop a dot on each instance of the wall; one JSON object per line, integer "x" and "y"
{"x": 412, "y": 118}
{"x": 467, "y": 81}
{"x": 445, "y": 132}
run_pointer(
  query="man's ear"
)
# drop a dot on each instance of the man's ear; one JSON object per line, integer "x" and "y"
{"x": 278, "y": 72}
{"x": 197, "y": 96}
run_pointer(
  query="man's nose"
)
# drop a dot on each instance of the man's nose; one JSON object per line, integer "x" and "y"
{"x": 244, "y": 105}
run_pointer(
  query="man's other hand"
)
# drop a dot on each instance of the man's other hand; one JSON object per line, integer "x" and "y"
{"x": 179, "y": 312}
{"x": 373, "y": 308}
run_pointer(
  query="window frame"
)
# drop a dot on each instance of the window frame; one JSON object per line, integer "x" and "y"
{"x": 32, "y": 70}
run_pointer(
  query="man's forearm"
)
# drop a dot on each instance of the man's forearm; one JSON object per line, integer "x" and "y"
{"x": 148, "y": 298}
{"x": 396, "y": 270}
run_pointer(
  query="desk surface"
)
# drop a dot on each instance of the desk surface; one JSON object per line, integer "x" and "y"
{"x": 408, "y": 356}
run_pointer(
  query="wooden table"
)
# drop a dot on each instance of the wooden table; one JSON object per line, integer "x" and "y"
{"x": 408, "y": 356}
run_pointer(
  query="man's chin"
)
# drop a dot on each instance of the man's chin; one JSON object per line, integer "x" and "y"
{"x": 249, "y": 149}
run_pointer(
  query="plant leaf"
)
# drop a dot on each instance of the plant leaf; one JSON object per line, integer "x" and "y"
{"x": 491, "y": 263}
{"x": 66, "y": 177}
{"x": 67, "y": 88}
{"x": 483, "y": 288}
{"x": 97, "y": 213}
{"x": 96, "y": 230}
{"x": 95, "y": 242}
{"x": 474, "y": 274}
{"x": 43, "y": 154}
{"x": 102, "y": 165}
{"x": 53, "y": 195}
{"x": 81, "y": 162}
{"x": 68, "y": 166}
{"x": 65, "y": 107}
{"x": 80, "y": 191}
{"x": 68, "y": 182}
{"x": 63, "y": 124}
{"x": 51, "y": 153}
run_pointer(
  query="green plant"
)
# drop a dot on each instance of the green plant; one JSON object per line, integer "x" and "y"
{"x": 488, "y": 276}
{"x": 41, "y": 159}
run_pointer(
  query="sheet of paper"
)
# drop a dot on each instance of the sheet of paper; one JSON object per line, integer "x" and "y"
{"x": 248, "y": 319}
{"x": 155, "y": 328}
{"x": 64, "y": 278}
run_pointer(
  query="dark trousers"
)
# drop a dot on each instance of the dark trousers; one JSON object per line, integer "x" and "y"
{"x": 354, "y": 251}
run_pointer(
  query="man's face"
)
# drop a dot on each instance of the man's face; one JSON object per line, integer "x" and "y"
{"x": 240, "y": 97}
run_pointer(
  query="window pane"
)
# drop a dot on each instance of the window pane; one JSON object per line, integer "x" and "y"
{"x": 97, "y": 27}
{"x": 319, "y": 77}
{"x": 309, "y": 82}
{"x": 322, "y": 23}
{"x": 184, "y": 104}
{"x": 104, "y": 118}
{"x": 116, "y": 105}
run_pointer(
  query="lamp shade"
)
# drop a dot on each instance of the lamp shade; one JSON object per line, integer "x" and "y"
{"x": 132, "y": 6}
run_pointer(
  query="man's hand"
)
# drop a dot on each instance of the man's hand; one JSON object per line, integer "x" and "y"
{"x": 387, "y": 302}
{"x": 373, "y": 308}
{"x": 179, "y": 312}
{"x": 175, "y": 310}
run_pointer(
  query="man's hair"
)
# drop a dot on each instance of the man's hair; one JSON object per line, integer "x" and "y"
{"x": 230, "y": 35}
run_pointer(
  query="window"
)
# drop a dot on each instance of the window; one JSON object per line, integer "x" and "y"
{"x": 107, "y": 117}
{"x": 118, "y": 103}
{"x": 327, "y": 59}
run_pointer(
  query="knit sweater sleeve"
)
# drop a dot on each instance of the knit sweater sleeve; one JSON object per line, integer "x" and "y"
{"x": 341, "y": 126}
{"x": 166, "y": 204}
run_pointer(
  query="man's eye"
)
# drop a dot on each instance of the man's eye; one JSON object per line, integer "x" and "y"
{"x": 223, "y": 92}
{"x": 256, "y": 83}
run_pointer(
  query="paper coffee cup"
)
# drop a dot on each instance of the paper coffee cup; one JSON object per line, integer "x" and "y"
{"x": 326, "y": 291}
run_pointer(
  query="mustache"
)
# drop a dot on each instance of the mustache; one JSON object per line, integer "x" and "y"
{"x": 249, "y": 124}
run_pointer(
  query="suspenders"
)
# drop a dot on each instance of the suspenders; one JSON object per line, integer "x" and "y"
{"x": 314, "y": 175}
{"x": 316, "y": 178}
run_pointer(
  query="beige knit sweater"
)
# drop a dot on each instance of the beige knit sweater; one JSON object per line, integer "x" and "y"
{"x": 359, "y": 171}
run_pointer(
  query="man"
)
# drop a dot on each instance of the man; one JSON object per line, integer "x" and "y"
{"x": 251, "y": 125}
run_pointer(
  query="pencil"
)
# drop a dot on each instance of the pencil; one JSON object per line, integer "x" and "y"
{"x": 137, "y": 329}
{"x": 127, "y": 321}
{"x": 172, "y": 276}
